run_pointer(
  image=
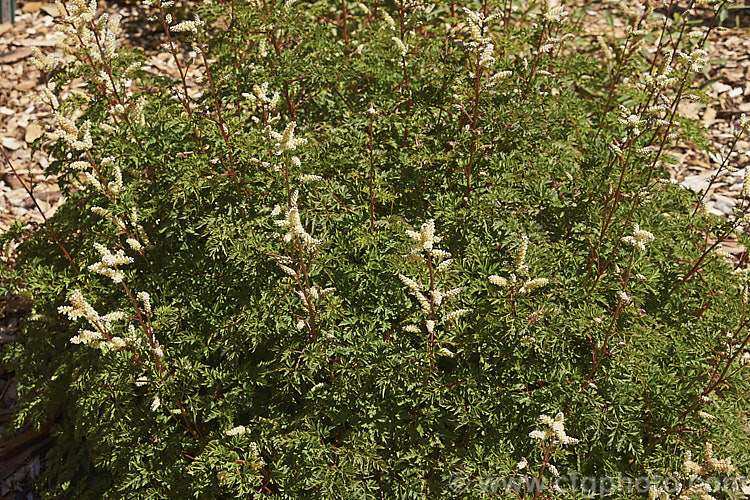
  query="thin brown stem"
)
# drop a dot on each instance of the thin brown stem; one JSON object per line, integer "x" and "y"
{"x": 41, "y": 212}
{"x": 371, "y": 178}
{"x": 146, "y": 328}
{"x": 343, "y": 22}
{"x": 220, "y": 120}
{"x": 185, "y": 100}
{"x": 713, "y": 384}
{"x": 598, "y": 358}
{"x": 474, "y": 128}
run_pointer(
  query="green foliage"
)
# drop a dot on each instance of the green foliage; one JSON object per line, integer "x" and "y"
{"x": 336, "y": 397}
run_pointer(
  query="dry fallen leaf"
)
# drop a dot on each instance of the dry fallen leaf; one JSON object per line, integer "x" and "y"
{"x": 709, "y": 116}
{"x": 33, "y": 132}
{"x": 27, "y": 85}
{"x": 31, "y": 7}
{"x": 689, "y": 109}
{"x": 50, "y": 9}
{"x": 11, "y": 143}
{"x": 36, "y": 42}
{"x": 15, "y": 55}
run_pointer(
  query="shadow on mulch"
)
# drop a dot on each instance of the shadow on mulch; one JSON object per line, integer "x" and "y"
{"x": 22, "y": 450}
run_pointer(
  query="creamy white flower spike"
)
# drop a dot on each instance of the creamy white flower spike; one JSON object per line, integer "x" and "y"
{"x": 554, "y": 434}
{"x": 285, "y": 141}
{"x": 292, "y": 225}
{"x": 308, "y": 178}
{"x": 45, "y": 63}
{"x": 553, "y": 13}
{"x": 101, "y": 326}
{"x": 110, "y": 262}
{"x": 445, "y": 352}
{"x": 237, "y": 431}
{"x": 538, "y": 435}
{"x": 187, "y": 26}
{"x": 707, "y": 416}
{"x": 431, "y": 297}
{"x": 698, "y": 474}
{"x": 639, "y": 238}
{"x": 261, "y": 101}
{"x": 454, "y": 315}
{"x": 134, "y": 244}
{"x": 79, "y": 308}
{"x": 521, "y": 269}
{"x": 78, "y": 138}
{"x": 631, "y": 120}
{"x": 480, "y": 43}
{"x": 402, "y": 47}
{"x": 532, "y": 285}
{"x": 416, "y": 290}
{"x": 425, "y": 239}
{"x": 498, "y": 280}
{"x": 116, "y": 185}
{"x": 299, "y": 246}
{"x": 412, "y": 329}
{"x": 145, "y": 299}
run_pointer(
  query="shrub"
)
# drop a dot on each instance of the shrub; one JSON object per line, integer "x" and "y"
{"x": 352, "y": 250}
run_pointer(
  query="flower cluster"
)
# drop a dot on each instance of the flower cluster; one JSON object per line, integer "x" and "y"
{"x": 711, "y": 464}
{"x": 639, "y": 238}
{"x": 78, "y": 138}
{"x": 552, "y": 13}
{"x": 480, "y": 43}
{"x": 662, "y": 78}
{"x": 609, "y": 54}
{"x": 554, "y": 433}
{"x": 299, "y": 247}
{"x": 145, "y": 299}
{"x": 237, "y": 431}
{"x": 285, "y": 141}
{"x": 695, "y": 60}
{"x": 631, "y": 120}
{"x": 187, "y": 26}
{"x": 262, "y": 103}
{"x": 100, "y": 334}
{"x": 520, "y": 269}
{"x": 44, "y": 63}
{"x": 291, "y": 224}
{"x": 108, "y": 266}
{"x": 692, "y": 472}
{"x": 77, "y": 22}
{"x": 425, "y": 240}
{"x": 93, "y": 43}
{"x": 432, "y": 299}
{"x": 402, "y": 47}
{"x": 551, "y": 437}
